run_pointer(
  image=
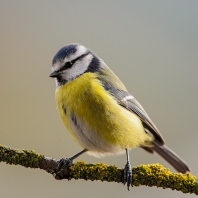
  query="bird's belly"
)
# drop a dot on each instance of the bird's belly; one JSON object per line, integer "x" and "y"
{"x": 108, "y": 140}
{"x": 94, "y": 141}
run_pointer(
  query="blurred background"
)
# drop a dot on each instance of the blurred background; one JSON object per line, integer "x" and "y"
{"x": 151, "y": 45}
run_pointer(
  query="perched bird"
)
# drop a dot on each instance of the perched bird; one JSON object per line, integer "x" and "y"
{"x": 98, "y": 111}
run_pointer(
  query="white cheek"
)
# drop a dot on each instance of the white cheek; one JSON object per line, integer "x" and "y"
{"x": 56, "y": 83}
{"x": 78, "y": 68}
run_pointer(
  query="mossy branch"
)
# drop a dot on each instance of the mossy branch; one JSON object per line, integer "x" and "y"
{"x": 148, "y": 175}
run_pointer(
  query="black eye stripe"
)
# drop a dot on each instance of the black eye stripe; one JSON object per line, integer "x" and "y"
{"x": 66, "y": 66}
{"x": 78, "y": 58}
{"x": 69, "y": 64}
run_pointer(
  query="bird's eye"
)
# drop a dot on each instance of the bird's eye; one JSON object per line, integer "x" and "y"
{"x": 66, "y": 66}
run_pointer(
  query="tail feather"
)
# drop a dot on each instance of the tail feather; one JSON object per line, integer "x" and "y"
{"x": 172, "y": 158}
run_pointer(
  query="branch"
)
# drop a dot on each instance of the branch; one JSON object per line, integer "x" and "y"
{"x": 148, "y": 175}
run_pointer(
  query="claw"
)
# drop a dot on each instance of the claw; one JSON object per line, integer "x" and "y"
{"x": 61, "y": 171}
{"x": 63, "y": 162}
{"x": 128, "y": 175}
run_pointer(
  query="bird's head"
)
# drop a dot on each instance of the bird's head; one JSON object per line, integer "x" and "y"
{"x": 72, "y": 61}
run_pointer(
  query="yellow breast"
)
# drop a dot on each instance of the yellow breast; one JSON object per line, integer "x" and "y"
{"x": 95, "y": 119}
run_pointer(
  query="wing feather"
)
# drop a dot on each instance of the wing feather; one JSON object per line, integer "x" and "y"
{"x": 127, "y": 101}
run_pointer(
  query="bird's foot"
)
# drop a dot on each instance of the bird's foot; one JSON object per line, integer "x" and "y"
{"x": 128, "y": 175}
{"x": 62, "y": 170}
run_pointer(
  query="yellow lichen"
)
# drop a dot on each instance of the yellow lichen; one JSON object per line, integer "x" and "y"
{"x": 149, "y": 175}
{"x": 27, "y": 158}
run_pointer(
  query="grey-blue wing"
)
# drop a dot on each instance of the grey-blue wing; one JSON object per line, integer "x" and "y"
{"x": 127, "y": 101}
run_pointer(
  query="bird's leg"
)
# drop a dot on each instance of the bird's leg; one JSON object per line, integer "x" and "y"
{"x": 127, "y": 171}
{"x": 64, "y": 163}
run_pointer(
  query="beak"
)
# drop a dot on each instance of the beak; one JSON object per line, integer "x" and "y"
{"x": 54, "y": 74}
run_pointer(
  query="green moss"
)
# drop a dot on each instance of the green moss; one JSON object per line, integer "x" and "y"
{"x": 100, "y": 171}
{"x": 149, "y": 175}
{"x": 157, "y": 175}
{"x": 27, "y": 158}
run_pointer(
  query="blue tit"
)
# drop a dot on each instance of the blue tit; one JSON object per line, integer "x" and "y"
{"x": 99, "y": 112}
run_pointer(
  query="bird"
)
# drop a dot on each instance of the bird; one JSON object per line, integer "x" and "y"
{"x": 99, "y": 112}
